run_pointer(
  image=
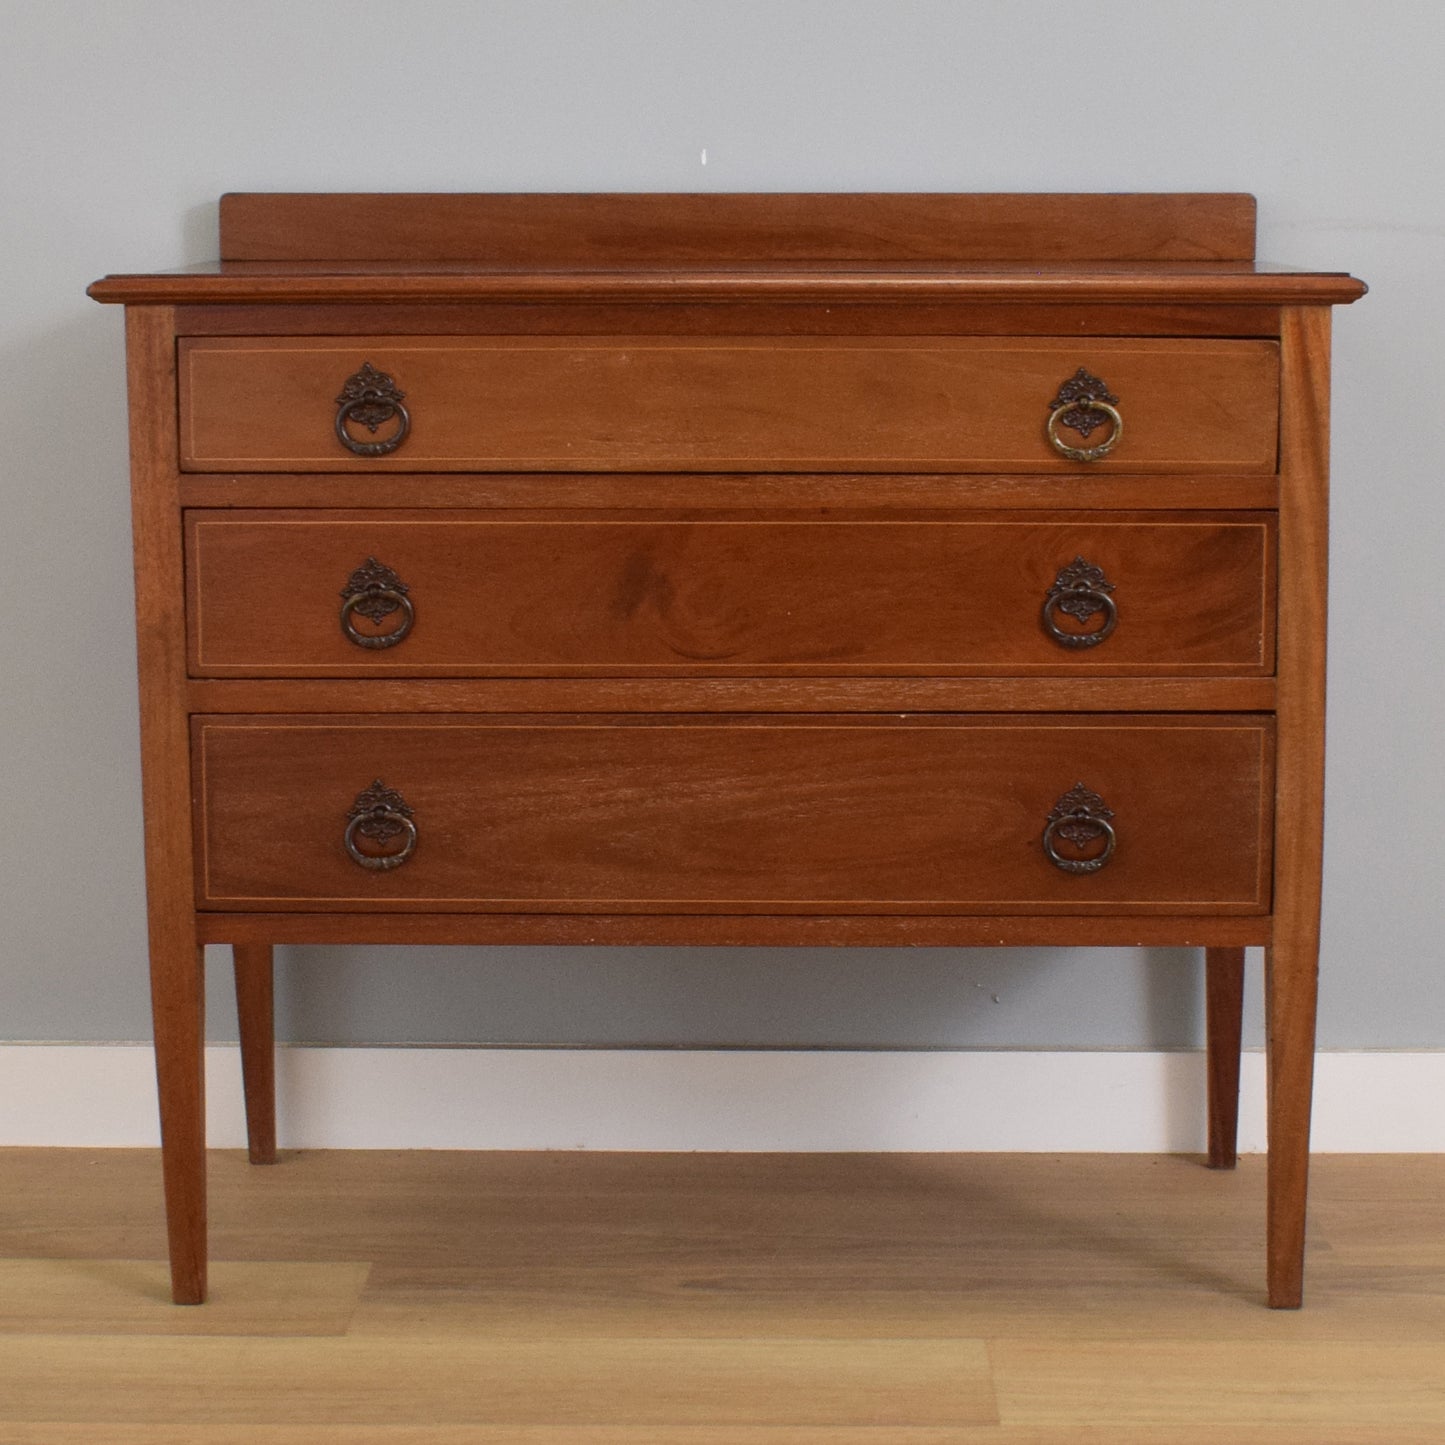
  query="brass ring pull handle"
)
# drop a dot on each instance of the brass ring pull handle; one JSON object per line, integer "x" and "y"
{"x": 1080, "y": 818}
{"x": 380, "y": 815}
{"x": 1085, "y": 454}
{"x": 1083, "y": 403}
{"x": 375, "y": 591}
{"x": 369, "y": 398}
{"x": 360, "y": 601}
{"x": 1080, "y": 591}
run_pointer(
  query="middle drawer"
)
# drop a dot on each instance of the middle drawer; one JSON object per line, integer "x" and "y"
{"x": 428, "y": 593}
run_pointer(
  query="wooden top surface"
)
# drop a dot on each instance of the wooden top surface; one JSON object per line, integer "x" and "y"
{"x": 762, "y": 247}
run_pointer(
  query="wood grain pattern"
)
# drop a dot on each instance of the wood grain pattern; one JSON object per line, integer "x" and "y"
{"x": 85, "y": 1297}
{"x": 709, "y": 404}
{"x": 540, "y": 230}
{"x": 535, "y": 1381}
{"x": 177, "y": 985}
{"x": 1111, "y": 1294}
{"x": 769, "y": 596}
{"x": 1395, "y": 1383}
{"x": 1292, "y": 961}
{"x": 776, "y": 815}
{"x": 60, "y": 1433}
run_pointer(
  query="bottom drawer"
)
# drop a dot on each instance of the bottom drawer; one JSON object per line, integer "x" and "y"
{"x": 794, "y": 814}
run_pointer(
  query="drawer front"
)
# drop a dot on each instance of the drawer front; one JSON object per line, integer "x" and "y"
{"x": 427, "y": 594}
{"x": 511, "y": 403}
{"x": 739, "y": 815}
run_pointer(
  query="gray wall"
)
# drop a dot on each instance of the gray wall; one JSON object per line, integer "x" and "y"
{"x": 123, "y": 122}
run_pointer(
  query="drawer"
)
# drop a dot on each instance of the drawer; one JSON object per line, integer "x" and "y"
{"x": 514, "y": 403}
{"x": 293, "y": 593}
{"x": 821, "y": 814}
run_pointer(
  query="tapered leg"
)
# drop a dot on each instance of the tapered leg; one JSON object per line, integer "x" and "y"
{"x": 1291, "y": 985}
{"x": 1224, "y": 1012}
{"x": 1292, "y": 960}
{"x": 255, "y": 1011}
{"x": 177, "y": 978}
{"x": 178, "y": 1011}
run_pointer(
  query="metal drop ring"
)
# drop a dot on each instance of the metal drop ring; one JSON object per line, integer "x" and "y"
{"x": 380, "y": 862}
{"x": 371, "y": 403}
{"x": 1101, "y": 601}
{"x": 379, "y": 639}
{"x": 1079, "y": 865}
{"x": 1085, "y": 454}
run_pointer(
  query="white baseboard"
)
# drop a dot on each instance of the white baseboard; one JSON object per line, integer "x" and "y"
{"x": 103, "y": 1095}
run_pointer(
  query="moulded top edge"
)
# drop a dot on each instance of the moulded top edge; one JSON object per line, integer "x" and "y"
{"x": 231, "y": 282}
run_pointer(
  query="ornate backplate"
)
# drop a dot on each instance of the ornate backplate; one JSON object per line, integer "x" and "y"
{"x": 1082, "y": 386}
{"x": 369, "y": 581}
{"x": 1073, "y": 586}
{"x": 378, "y": 807}
{"x": 370, "y": 397}
{"x": 1075, "y": 813}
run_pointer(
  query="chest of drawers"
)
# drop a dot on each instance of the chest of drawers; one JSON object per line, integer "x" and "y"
{"x": 732, "y": 569}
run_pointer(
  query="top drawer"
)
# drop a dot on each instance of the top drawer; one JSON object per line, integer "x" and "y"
{"x": 545, "y": 404}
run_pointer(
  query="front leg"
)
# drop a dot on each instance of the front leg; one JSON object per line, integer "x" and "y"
{"x": 1291, "y": 986}
{"x": 178, "y": 1000}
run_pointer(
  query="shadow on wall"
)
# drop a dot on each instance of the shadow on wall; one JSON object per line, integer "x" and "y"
{"x": 936, "y": 998}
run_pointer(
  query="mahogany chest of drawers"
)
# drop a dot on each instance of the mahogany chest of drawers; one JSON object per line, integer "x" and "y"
{"x": 732, "y": 569}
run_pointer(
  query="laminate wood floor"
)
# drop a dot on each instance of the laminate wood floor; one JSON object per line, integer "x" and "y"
{"x": 635, "y": 1299}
